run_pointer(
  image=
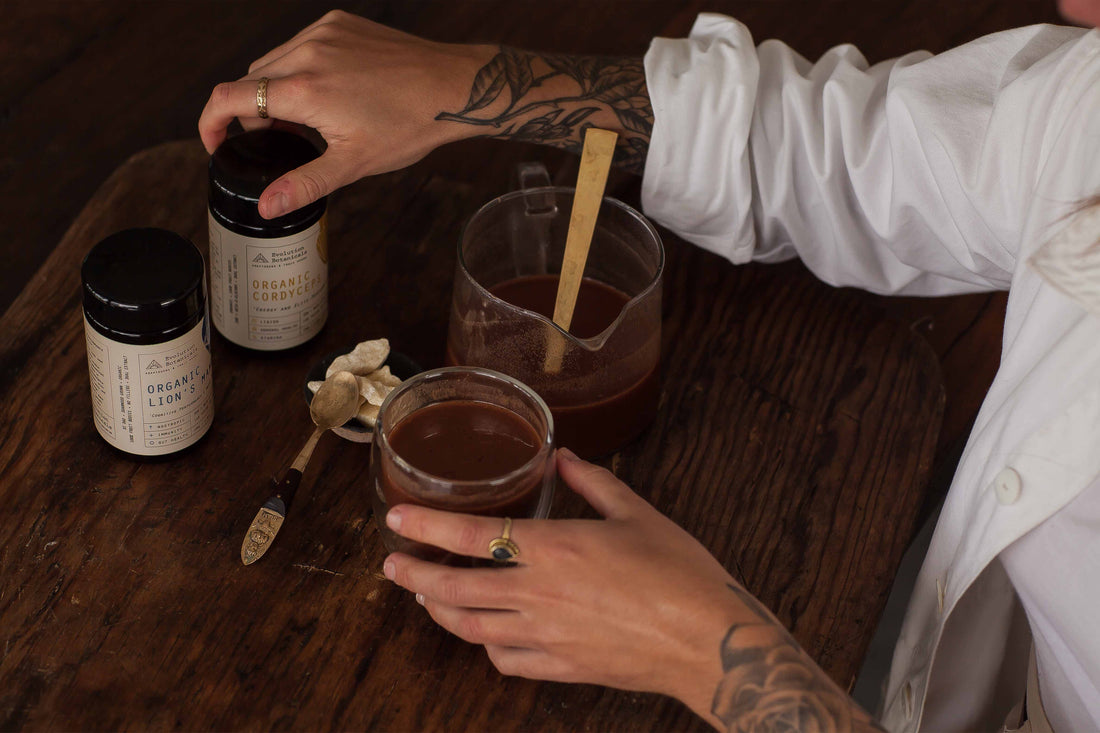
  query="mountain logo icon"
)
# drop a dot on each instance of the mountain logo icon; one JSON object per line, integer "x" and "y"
{"x": 260, "y": 258}
{"x": 153, "y": 365}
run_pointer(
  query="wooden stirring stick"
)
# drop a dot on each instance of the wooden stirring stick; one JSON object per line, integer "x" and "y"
{"x": 599, "y": 147}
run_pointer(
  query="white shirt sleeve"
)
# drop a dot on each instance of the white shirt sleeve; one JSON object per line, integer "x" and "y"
{"x": 911, "y": 176}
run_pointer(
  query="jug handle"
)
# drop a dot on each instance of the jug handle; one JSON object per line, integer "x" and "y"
{"x": 531, "y": 231}
{"x": 535, "y": 175}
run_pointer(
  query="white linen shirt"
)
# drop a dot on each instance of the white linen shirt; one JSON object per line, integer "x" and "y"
{"x": 934, "y": 175}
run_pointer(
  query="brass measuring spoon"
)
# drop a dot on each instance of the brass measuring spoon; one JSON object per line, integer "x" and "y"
{"x": 336, "y": 402}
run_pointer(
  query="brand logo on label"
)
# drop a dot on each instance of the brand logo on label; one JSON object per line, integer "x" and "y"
{"x": 154, "y": 364}
{"x": 260, "y": 258}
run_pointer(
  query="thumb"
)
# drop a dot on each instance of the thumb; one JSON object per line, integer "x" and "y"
{"x": 600, "y": 488}
{"x": 302, "y": 186}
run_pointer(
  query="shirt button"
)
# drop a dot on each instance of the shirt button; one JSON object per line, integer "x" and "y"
{"x": 1007, "y": 486}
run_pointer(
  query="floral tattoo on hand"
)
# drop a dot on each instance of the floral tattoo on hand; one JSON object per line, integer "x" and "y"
{"x": 509, "y": 96}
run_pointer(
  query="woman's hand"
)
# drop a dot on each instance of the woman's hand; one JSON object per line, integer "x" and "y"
{"x": 383, "y": 99}
{"x": 632, "y": 601}
{"x": 373, "y": 93}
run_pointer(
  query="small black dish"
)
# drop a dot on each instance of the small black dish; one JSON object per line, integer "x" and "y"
{"x": 400, "y": 365}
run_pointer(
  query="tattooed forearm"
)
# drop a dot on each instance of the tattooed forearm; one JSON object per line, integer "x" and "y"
{"x": 552, "y": 99}
{"x": 770, "y": 684}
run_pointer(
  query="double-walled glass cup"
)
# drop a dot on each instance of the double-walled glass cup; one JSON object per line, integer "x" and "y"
{"x": 462, "y": 439}
{"x": 602, "y": 384}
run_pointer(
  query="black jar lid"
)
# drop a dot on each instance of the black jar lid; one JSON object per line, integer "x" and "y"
{"x": 245, "y": 164}
{"x": 143, "y": 282}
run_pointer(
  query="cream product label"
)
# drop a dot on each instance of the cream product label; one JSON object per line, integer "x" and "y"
{"x": 151, "y": 399}
{"x": 268, "y": 294}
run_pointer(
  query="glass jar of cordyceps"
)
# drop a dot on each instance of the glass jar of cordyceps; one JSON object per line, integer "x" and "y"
{"x": 148, "y": 341}
{"x": 268, "y": 277}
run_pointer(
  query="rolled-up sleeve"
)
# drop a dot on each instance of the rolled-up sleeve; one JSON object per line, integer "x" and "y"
{"x": 706, "y": 197}
{"x": 914, "y": 175}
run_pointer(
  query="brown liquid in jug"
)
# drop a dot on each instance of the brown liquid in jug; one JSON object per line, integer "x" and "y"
{"x": 590, "y": 429}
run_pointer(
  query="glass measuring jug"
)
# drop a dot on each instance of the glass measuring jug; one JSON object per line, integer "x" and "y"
{"x": 601, "y": 379}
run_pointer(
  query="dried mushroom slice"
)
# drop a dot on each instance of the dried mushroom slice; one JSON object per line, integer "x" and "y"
{"x": 365, "y": 358}
{"x": 384, "y": 376}
{"x": 372, "y": 392}
{"x": 375, "y": 380}
{"x": 368, "y": 414}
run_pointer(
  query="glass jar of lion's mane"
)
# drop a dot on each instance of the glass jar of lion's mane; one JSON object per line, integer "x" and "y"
{"x": 148, "y": 340}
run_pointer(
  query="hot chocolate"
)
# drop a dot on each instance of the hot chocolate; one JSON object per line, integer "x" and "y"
{"x": 467, "y": 440}
{"x": 589, "y": 427}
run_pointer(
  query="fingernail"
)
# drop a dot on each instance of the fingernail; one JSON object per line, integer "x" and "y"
{"x": 277, "y": 205}
{"x": 568, "y": 454}
{"x": 388, "y": 570}
{"x": 420, "y": 598}
{"x": 394, "y": 519}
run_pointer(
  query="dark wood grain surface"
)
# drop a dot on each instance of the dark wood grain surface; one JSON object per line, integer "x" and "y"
{"x": 795, "y": 438}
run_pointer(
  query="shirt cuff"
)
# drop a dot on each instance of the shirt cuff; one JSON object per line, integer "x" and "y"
{"x": 697, "y": 180}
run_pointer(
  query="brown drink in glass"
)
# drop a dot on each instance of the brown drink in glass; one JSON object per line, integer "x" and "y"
{"x": 465, "y": 440}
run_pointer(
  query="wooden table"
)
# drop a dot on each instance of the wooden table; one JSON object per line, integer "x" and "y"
{"x": 84, "y": 84}
{"x": 795, "y": 440}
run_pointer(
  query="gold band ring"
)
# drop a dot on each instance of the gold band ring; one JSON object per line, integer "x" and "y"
{"x": 502, "y": 548}
{"x": 261, "y": 98}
